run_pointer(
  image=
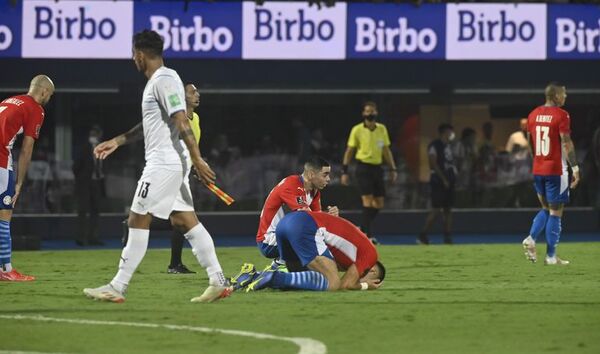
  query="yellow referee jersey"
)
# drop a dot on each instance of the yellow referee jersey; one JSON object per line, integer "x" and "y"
{"x": 369, "y": 143}
{"x": 195, "y": 124}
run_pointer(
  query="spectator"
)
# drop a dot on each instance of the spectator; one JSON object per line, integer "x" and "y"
{"x": 89, "y": 189}
{"x": 465, "y": 153}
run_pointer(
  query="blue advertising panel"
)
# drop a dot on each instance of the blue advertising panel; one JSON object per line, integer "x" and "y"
{"x": 10, "y": 29}
{"x": 205, "y": 30}
{"x": 573, "y": 32}
{"x": 396, "y": 31}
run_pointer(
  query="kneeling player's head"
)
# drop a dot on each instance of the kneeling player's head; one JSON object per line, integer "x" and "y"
{"x": 147, "y": 45}
{"x": 556, "y": 94}
{"x": 317, "y": 171}
{"x": 376, "y": 272}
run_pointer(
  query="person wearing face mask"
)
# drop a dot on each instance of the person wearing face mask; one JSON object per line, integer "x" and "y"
{"x": 89, "y": 189}
{"x": 442, "y": 181}
{"x": 369, "y": 143}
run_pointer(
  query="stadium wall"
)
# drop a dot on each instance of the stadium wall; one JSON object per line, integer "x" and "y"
{"x": 483, "y": 221}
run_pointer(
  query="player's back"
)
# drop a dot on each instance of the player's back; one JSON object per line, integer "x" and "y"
{"x": 347, "y": 243}
{"x": 545, "y": 124}
{"x": 272, "y": 211}
{"x": 163, "y": 96}
{"x": 14, "y": 113}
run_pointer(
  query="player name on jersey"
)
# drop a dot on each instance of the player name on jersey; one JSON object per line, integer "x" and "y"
{"x": 543, "y": 119}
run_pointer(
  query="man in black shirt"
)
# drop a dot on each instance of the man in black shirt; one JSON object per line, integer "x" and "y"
{"x": 443, "y": 178}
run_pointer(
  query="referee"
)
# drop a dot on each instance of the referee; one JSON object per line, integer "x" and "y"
{"x": 369, "y": 143}
{"x": 192, "y": 101}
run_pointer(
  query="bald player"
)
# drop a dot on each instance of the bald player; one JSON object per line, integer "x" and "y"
{"x": 18, "y": 114}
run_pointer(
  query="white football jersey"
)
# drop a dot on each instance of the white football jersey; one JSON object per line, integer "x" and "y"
{"x": 163, "y": 96}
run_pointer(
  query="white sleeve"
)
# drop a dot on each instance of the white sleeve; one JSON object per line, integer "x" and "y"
{"x": 169, "y": 94}
{"x": 432, "y": 151}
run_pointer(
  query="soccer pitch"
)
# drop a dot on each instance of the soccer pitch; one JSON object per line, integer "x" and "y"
{"x": 435, "y": 299}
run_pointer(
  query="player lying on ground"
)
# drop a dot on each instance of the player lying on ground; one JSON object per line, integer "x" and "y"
{"x": 315, "y": 246}
{"x": 295, "y": 192}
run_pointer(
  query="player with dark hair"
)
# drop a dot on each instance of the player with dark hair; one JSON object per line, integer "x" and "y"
{"x": 295, "y": 192}
{"x": 442, "y": 181}
{"x": 163, "y": 189}
{"x": 316, "y": 246}
{"x": 549, "y": 134}
{"x": 18, "y": 114}
{"x": 369, "y": 143}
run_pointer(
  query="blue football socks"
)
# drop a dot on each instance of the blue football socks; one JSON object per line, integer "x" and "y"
{"x": 539, "y": 224}
{"x": 307, "y": 280}
{"x": 553, "y": 228}
{"x": 5, "y": 245}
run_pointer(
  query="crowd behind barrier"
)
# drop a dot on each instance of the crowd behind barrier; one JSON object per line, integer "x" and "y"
{"x": 487, "y": 177}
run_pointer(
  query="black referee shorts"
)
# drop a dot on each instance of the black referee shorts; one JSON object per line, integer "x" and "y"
{"x": 370, "y": 179}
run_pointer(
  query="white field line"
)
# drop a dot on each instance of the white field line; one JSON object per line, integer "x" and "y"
{"x": 307, "y": 345}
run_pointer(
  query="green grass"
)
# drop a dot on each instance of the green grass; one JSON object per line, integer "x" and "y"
{"x": 436, "y": 299}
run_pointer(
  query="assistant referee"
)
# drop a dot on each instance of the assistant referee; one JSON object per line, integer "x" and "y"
{"x": 369, "y": 143}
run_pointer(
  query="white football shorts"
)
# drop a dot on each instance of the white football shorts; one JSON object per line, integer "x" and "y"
{"x": 161, "y": 191}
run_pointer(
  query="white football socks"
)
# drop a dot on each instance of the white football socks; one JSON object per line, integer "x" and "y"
{"x": 203, "y": 248}
{"x": 6, "y": 267}
{"x": 131, "y": 257}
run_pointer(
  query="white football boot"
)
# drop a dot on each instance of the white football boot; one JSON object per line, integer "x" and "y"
{"x": 555, "y": 261}
{"x": 214, "y": 293}
{"x": 104, "y": 293}
{"x": 529, "y": 247}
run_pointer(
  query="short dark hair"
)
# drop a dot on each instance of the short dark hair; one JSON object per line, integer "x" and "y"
{"x": 316, "y": 163}
{"x": 442, "y": 128}
{"x": 369, "y": 103}
{"x": 381, "y": 270}
{"x": 149, "y": 42}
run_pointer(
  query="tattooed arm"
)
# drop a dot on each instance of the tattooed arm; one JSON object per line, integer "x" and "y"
{"x": 107, "y": 147}
{"x": 186, "y": 134}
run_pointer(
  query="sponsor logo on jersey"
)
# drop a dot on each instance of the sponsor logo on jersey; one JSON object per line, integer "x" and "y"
{"x": 174, "y": 100}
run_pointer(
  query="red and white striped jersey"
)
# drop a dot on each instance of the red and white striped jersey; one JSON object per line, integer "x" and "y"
{"x": 18, "y": 114}
{"x": 290, "y": 193}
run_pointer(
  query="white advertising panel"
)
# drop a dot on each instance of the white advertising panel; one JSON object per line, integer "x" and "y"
{"x": 77, "y": 29}
{"x": 281, "y": 30}
{"x": 495, "y": 31}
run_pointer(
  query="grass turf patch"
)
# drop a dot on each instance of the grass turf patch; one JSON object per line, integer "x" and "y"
{"x": 436, "y": 299}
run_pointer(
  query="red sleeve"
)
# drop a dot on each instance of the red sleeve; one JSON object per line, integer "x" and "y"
{"x": 316, "y": 202}
{"x": 564, "y": 126}
{"x": 33, "y": 120}
{"x": 291, "y": 195}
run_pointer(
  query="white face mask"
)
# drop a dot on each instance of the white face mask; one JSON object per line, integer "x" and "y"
{"x": 452, "y": 136}
{"x": 93, "y": 140}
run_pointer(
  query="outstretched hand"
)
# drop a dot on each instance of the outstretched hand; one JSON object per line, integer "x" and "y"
{"x": 105, "y": 148}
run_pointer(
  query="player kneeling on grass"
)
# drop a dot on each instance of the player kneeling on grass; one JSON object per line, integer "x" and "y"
{"x": 314, "y": 246}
